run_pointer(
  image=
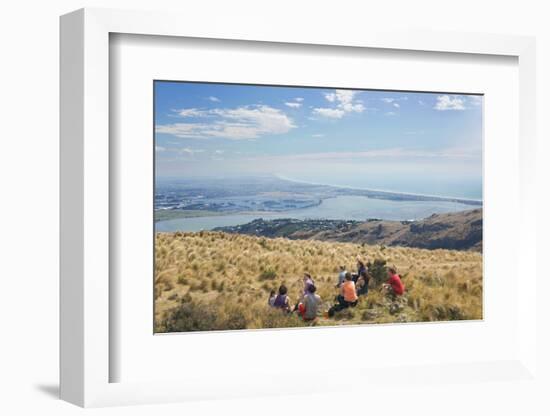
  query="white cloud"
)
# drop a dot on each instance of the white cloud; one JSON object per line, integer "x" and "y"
{"x": 396, "y": 105}
{"x": 329, "y": 112}
{"x": 476, "y": 100}
{"x": 341, "y": 96}
{"x": 331, "y": 96}
{"x": 390, "y": 100}
{"x": 214, "y": 99}
{"x": 350, "y": 107}
{"x": 248, "y": 122}
{"x": 219, "y": 152}
{"x": 345, "y": 103}
{"x": 178, "y": 129}
{"x": 446, "y": 102}
{"x": 296, "y": 103}
{"x": 318, "y": 135}
{"x": 190, "y": 112}
{"x": 160, "y": 149}
{"x": 189, "y": 151}
{"x": 390, "y": 113}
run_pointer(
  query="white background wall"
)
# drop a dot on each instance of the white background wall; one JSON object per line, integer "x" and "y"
{"x": 29, "y": 207}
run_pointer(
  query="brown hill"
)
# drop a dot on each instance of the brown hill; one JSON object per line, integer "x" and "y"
{"x": 454, "y": 231}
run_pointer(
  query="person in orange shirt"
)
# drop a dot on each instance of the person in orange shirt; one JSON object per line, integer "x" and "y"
{"x": 347, "y": 296}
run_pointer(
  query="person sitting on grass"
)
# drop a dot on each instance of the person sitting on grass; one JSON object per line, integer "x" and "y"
{"x": 309, "y": 306}
{"x": 394, "y": 286}
{"x": 362, "y": 285}
{"x": 341, "y": 276}
{"x": 282, "y": 300}
{"x": 308, "y": 281}
{"x": 361, "y": 268}
{"x": 272, "y": 297}
{"x": 347, "y": 297}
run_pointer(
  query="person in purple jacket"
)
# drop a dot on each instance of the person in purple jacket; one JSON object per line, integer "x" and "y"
{"x": 282, "y": 300}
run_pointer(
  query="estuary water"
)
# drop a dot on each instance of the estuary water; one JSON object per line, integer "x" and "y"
{"x": 340, "y": 208}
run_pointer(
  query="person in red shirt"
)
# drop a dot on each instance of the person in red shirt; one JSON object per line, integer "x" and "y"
{"x": 394, "y": 284}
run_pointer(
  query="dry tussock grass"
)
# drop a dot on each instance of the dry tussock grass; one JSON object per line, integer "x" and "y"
{"x": 222, "y": 281}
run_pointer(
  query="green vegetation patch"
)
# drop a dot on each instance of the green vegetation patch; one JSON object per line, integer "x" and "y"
{"x": 172, "y": 214}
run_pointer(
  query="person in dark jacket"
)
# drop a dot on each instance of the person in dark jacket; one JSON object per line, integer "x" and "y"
{"x": 361, "y": 268}
{"x": 362, "y": 284}
{"x": 282, "y": 300}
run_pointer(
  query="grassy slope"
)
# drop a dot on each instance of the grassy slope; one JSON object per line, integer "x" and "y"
{"x": 224, "y": 269}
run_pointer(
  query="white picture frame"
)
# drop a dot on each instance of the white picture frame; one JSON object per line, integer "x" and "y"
{"x": 85, "y": 200}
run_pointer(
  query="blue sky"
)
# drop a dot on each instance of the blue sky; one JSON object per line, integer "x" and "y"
{"x": 410, "y": 142}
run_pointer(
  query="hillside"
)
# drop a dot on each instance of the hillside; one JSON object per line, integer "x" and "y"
{"x": 456, "y": 231}
{"x": 215, "y": 280}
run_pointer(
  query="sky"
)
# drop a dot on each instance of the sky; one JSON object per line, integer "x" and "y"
{"x": 429, "y": 143}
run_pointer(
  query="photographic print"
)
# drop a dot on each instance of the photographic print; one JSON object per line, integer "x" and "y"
{"x": 288, "y": 206}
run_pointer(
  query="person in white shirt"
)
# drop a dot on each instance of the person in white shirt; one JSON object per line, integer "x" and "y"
{"x": 272, "y": 297}
{"x": 310, "y": 305}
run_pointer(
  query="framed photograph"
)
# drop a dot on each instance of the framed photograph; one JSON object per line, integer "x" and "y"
{"x": 235, "y": 208}
{"x": 282, "y": 207}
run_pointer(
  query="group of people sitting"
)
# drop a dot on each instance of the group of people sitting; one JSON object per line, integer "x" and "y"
{"x": 351, "y": 287}
{"x": 307, "y": 306}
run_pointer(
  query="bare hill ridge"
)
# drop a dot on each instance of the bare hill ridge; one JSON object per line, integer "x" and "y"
{"x": 455, "y": 231}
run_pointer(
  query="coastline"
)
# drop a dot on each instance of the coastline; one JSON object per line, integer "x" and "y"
{"x": 384, "y": 191}
{"x": 332, "y": 192}
{"x": 208, "y": 223}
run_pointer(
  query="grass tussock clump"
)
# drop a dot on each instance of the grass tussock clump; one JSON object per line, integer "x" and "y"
{"x": 202, "y": 316}
{"x": 217, "y": 281}
{"x": 267, "y": 274}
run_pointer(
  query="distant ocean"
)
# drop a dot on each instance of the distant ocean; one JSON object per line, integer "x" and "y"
{"x": 434, "y": 186}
